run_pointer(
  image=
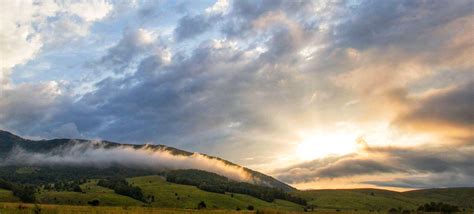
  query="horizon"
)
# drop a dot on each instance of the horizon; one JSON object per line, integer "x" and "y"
{"x": 317, "y": 94}
{"x": 394, "y": 189}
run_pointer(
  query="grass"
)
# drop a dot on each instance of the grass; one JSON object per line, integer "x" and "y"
{"x": 463, "y": 197}
{"x": 382, "y": 200}
{"x": 354, "y": 200}
{"x": 177, "y": 198}
{"x": 7, "y": 196}
{"x": 106, "y": 196}
{"x": 167, "y": 195}
{"x": 26, "y": 170}
{"x": 183, "y": 196}
{"x": 10, "y": 208}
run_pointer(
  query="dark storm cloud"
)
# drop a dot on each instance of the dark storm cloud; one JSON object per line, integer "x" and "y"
{"x": 435, "y": 163}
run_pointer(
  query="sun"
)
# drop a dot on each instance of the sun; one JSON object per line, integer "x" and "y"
{"x": 319, "y": 144}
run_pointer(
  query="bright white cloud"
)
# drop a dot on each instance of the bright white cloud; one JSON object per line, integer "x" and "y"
{"x": 89, "y": 10}
{"x": 220, "y": 7}
{"x": 25, "y": 26}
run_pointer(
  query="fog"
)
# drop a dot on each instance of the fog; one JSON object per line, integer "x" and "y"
{"x": 95, "y": 154}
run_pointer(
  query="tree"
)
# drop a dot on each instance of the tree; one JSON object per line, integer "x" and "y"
{"x": 438, "y": 207}
{"x": 26, "y": 193}
{"x": 94, "y": 202}
{"x": 202, "y": 205}
{"x": 76, "y": 188}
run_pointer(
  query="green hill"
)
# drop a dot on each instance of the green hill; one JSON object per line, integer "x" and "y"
{"x": 463, "y": 197}
{"x": 375, "y": 200}
{"x": 185, "y": 196}
{"x": 166, "y": 195}
{"x": 7, "y": 196}
{"x": 9, "y": 141}
{"x": 74, "y": 185}
{"x": 379, "y": 200}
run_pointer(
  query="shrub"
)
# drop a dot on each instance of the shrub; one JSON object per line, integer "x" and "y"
{"x": 202, "y": 205}
{"x": 250, "y": 207}
{"x": 94, "y": 202}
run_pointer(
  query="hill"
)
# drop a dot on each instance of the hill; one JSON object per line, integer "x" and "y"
{"x": 72, "y": 184}
{"x": 165, "y": 195}
{"x": 9, "y": 142}
{"x": 382, "y": 200}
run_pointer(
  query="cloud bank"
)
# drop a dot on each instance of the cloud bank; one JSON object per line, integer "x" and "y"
{"x": 425, "y": 166}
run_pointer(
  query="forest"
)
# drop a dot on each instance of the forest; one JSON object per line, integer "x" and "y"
{"x": 212, "y": 182}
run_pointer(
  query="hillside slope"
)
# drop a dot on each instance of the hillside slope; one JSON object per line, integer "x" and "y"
{"x": 380, "y": 200}
{"x": 9, "y": 141}
{"x": 165, "y": 194}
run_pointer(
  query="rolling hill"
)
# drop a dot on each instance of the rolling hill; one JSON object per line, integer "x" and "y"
{"x": 9, "y": 141}
{"x": 75, "y": 185}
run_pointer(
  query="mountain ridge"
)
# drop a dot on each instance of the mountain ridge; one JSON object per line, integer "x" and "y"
{"x": 8, "y": 141}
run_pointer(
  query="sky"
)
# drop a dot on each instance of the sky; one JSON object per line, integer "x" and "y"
{"x": 319, "y": 94}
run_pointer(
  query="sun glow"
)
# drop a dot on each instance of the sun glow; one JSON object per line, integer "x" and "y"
{"x": 319, "y": 144}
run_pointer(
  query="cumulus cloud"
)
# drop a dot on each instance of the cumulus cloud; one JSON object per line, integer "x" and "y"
{"x": 25, "y": 25}
{"x": 19, "y": 109}
{"x": 26, "y": 28}
{"x": 247, "y": 76}
{"x": 220, "y": 7}
{"x": 133, "y": 44}
{"x": 98, "y": 154}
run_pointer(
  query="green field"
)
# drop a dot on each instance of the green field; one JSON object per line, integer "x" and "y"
{"x": 184, "y": 196}
{"x": 167, "y": 195}
{"x": 106, "y": 196}
{"x": 16, "y": 208}
{"x": 380, "y": 200}
{"x": 177, "y": 198}
{"x": 7, "y": 196}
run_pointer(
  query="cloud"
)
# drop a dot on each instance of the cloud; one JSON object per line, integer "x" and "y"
{"x": 424, "y": 166}
{"x": 399, "y": 23}
{"x": 89, "y": 10}
{"x": 18, "y": 109}
{"x": 220, "y": 7}
{"x": 133, "y": 44}
{"x": 427, "y": 181}
{"x": 274, "y": 68}
{"x": 25, "y": 26}
{"x": 449, "y": 109}
{"x": 190, "y": 26}
{"x": 98, "y": 154}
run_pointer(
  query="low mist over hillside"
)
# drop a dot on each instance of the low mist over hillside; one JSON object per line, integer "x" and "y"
{"x": 93, "y": 173}
{"x": 103, "y": 154}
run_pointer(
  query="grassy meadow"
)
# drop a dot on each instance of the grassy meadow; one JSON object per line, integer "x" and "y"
{"x": 177, "y": 198}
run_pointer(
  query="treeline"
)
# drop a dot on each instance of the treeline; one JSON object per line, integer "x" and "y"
{"x": 212, "y": 182}
{"x": 54, "y": 174}
{"x": 438, "y": 207}
{"x": 26, "y": 193}
{"x": 122, "y": 187}
{"x": 73, "y": 186}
